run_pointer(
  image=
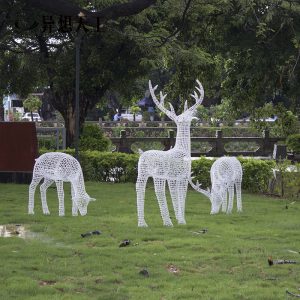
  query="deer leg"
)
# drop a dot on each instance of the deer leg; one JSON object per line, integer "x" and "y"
{"x": 238, "y": 187}
{"x": 230, "y": 201}
{"x": 34, "y": 183}
{"x": 43, "y": 189}
{"x": 140, "y": 192}
{"x": 174, "y": 196}
{"x": 160, "y": 187}
{"x": 224, "y": 202}
{"x": 74, "y": 205}
{"x": 181, "y": 192}
{"x": 60, "y": 193}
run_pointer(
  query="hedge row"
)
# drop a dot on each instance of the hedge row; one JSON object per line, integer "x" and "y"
{"x": 121, "y": 167}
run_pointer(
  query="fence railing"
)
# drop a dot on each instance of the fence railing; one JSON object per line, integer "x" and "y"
{"x": 53, "y": 136}
{"x": 265, "y": 143}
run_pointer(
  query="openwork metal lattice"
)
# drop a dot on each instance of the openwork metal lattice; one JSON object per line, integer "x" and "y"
{"x": 173, "y": 166}
{"x": 59, "y": 167}
{"x": 225, "y": 174}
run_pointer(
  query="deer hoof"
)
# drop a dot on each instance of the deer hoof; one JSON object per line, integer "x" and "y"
{"x": 31, "y": 212}
{"x": 182, "y": 222}
{"x": 169, "y": 224}
{"x": 142, "y": 224}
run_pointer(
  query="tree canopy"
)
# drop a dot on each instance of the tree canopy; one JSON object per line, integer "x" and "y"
{"x": 246, "y": 52}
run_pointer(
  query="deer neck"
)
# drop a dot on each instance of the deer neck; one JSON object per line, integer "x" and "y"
{"x": 79, "y": 186}
{"x": 183, "y": 138}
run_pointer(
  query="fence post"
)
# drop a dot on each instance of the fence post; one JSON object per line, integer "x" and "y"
{"x": 219, "y": 143}
{"x": 267, "y": 145}
{"x": 123, "y": 145}
{"x": 63, "y": 133}
{"x": 171, "y": 138}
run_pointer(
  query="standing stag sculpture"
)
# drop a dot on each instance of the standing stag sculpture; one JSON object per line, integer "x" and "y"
{"x": 173, "y": 166}
{"x": 225, "y": 174}
{"x": 59, "y": 167}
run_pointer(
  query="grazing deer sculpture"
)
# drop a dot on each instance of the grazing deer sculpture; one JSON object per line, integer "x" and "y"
{"x": 225, "y": 174}
{"x": 173, "y": 166}
{"x": 59, "y": 167}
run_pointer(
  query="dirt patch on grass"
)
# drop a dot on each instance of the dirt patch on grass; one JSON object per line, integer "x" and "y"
{"x": 173, "y": 269}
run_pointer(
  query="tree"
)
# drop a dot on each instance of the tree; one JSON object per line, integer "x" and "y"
{"x": 32, "y": 103}
{"x": 135, "y": 109}
{"x": 110, "y": 52}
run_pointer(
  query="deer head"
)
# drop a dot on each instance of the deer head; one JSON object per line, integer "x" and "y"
{"x": 188, "y": 111}
{"x": 82, "y": 203}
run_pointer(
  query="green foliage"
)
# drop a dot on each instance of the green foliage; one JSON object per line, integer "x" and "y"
{"x": 122, "y": 167}
{"x": 256, "y": 174}
{"x": 259, "y": 115}
{"x": 287, "y": 121}
{"x": 32, "y": 103}
{"x": 135, "y": 109}
{"x": 293, "y": 142}
{"x": 228, "y": 262}
{"x": 286, "y": 182}
{"x": 146, "y": 116}
{"x": 292, "y": 182}
{"x": 203, "y": 113}
{"x": 107, "y": 167}
{"x": 92, "y": 138}
{"x": 285, "y": 124}
{"x": 201, "y": 171}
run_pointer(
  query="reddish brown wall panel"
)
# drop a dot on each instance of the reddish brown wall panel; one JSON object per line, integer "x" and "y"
{"x": 18, "y": 146}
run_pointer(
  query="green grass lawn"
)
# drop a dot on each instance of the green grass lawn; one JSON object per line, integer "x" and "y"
{"x": 227, "y": 262}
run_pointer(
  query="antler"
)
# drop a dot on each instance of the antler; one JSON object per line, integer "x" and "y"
{"x": 161, "y": 103}
{"x": 197, "y": 187}
{"x": 198, "y": 98}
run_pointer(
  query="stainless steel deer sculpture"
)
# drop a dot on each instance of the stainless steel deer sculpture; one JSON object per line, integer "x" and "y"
{"x": 59, "y": 167}
{"x": 225, "y": 174}
{"x": 173, "y": 166}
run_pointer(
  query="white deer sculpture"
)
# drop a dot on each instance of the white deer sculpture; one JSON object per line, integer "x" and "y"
{"x": 173, "y": 166}
{"x": 59, "y": 167}
{"x": 225, "y": 174}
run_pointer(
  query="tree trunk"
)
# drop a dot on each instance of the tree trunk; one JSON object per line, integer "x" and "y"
{"x": 1, "y": 111}
{"x": 70, "y": 126}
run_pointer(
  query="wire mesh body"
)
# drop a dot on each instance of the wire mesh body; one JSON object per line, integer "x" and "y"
{"x": 172, "y": 167}
{"x": 226, "y": 175}
{"x": 59, "y": 167}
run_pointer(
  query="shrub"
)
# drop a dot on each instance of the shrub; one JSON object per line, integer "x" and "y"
{"x": 92, "y": 138}
{"x": 122, "y": 167}
{"x": 201, "y": 171}
{"x": 293, "y": 142}
{"x": 256, "y": 174}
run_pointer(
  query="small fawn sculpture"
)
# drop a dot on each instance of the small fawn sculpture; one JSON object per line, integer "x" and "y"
{"x": 173, "y": 166}
{"x": 59, "y": 167}
{"x": 225, "y": 174}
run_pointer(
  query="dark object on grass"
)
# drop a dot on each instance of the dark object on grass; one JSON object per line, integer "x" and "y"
{"x": 95, "y": 232}
{"x": 144, "y": 272}
{"x": 280, "y": 261}
{"x": 125, "y": 243}
{"x": 292, "y": 294}
{"x": 202, "y": 231}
